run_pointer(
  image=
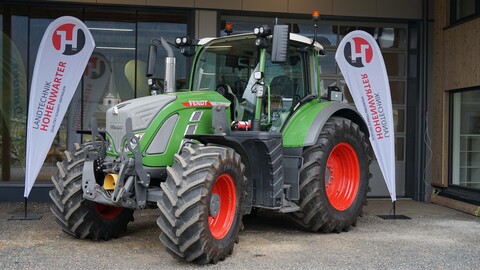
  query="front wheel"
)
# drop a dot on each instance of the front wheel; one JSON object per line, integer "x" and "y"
{"x": 203, "y": 203}
{"x": 334, "y": 178}
{"x": 77, "y": 216}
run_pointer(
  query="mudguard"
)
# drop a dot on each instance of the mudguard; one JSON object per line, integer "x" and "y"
{"x": 304, "y": 127}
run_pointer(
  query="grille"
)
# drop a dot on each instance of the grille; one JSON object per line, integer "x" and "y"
{"x": 142, "y": 111}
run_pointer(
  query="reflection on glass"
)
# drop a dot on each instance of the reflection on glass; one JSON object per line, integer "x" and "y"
{"x": 169, "y": 31}
{"x": 328, "y": 65}
{"x": 386, "y": 37}
{"x": 326, "y": 33}
{"x": 396, "y": 63}
{"x": 115, "y": 46}
{"x": 399, "y": 120}
{"x": 464, "y": 8}
{"x": 392, "y": 37}
{"x": 466, "y": 139}
{"x": 344, "y": 30}
{"x": 13, "y": 106}
{"x": 397, "y": 92}
{"x": 399, "y": 145}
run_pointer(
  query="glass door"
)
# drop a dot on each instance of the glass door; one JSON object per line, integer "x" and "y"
{"x": 466, "y": 139}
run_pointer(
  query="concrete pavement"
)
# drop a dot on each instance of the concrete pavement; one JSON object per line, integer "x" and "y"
{"x": 435, "y": 238}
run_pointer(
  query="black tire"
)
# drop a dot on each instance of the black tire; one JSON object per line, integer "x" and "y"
{"x": 318, "y": 211}
{"x": 185, "y": 208}
{"x": 77, "y": 216}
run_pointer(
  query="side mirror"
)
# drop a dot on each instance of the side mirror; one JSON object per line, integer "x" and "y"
{"x": 152, "y": 58}
{"x": 280, "y": 44}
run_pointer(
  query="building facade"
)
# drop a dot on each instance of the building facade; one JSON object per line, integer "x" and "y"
{"x": 123, "y": 29}
{"x": 455, "y": 98}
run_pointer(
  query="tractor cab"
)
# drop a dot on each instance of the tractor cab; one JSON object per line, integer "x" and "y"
{"x": 229, "y": 65}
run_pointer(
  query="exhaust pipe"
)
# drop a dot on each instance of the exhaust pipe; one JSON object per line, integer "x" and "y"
{"x": 169, "y": 81}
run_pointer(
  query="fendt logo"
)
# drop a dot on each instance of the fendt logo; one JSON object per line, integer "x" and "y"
{"x": 95, "y": 68}
{"x": 69, "y": 39}
{"x": 359, "y": 53}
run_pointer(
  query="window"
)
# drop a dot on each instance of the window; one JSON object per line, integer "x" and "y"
{"x": 463, "y": 9}
{"x": 465, "y": 139}
{"x": 115, "y": 72}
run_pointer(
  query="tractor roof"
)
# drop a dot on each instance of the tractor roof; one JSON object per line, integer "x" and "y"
{"x": 293, "y": 37}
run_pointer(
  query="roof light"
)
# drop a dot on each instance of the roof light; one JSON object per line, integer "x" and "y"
{"x": 262, "y": 31}
{"x": 183, "y": 41}
{"x": 178, "y": 41}
{"x": 228, "y": 28}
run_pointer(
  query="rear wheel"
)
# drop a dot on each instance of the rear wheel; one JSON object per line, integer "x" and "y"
{"x": 334, "y": 178}
{"x": 202, "y": 204}
{"x": 80, "y": 217}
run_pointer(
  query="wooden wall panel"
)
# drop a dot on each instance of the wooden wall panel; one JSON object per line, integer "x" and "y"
{"x": 462, "y": 57}
{"x": 364, "y": 8}
{"x": 325, "y": 7}
{"x": 215, "y": 4}
{"x": 206, "y": 23}
{"x": 400, "y": 9}
{"x": 439, "y": 170}
{"x": 272, "y": 5}
{"x": 436, "y": 99}
{"x": 456, "y": 65}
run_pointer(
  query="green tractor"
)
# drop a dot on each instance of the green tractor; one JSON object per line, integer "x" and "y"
{"x": 252, "y": 130}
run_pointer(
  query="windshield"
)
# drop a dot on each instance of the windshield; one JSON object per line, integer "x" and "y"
{"x": 226, "y": 61}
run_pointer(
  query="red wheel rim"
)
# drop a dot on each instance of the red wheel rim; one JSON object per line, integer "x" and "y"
{"x": 221, "y": 223}
{"x": 108, "y": 212}
{"x": 342, "y": 176}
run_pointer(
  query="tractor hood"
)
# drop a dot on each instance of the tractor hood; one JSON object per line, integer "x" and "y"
{"x": 141, "y": 110}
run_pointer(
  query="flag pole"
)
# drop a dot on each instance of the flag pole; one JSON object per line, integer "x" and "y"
{"x": 394, "y": 216}
{"x": 25, "y": 216}
{"x": 25, "y": 206}
{"x": 394, "y": 208}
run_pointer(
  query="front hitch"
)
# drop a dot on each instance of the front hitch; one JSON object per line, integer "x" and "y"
{"x": 125, "y": 183}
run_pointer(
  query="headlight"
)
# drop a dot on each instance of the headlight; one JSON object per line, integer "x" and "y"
{"x": 109, "y": 147}
{"x": 133, "y": 143}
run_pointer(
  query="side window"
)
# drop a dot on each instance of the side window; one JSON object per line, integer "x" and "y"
{"x": 207, "y": 72}
{"x": 286, "y": 80}
{"x": 286, "y": 85}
